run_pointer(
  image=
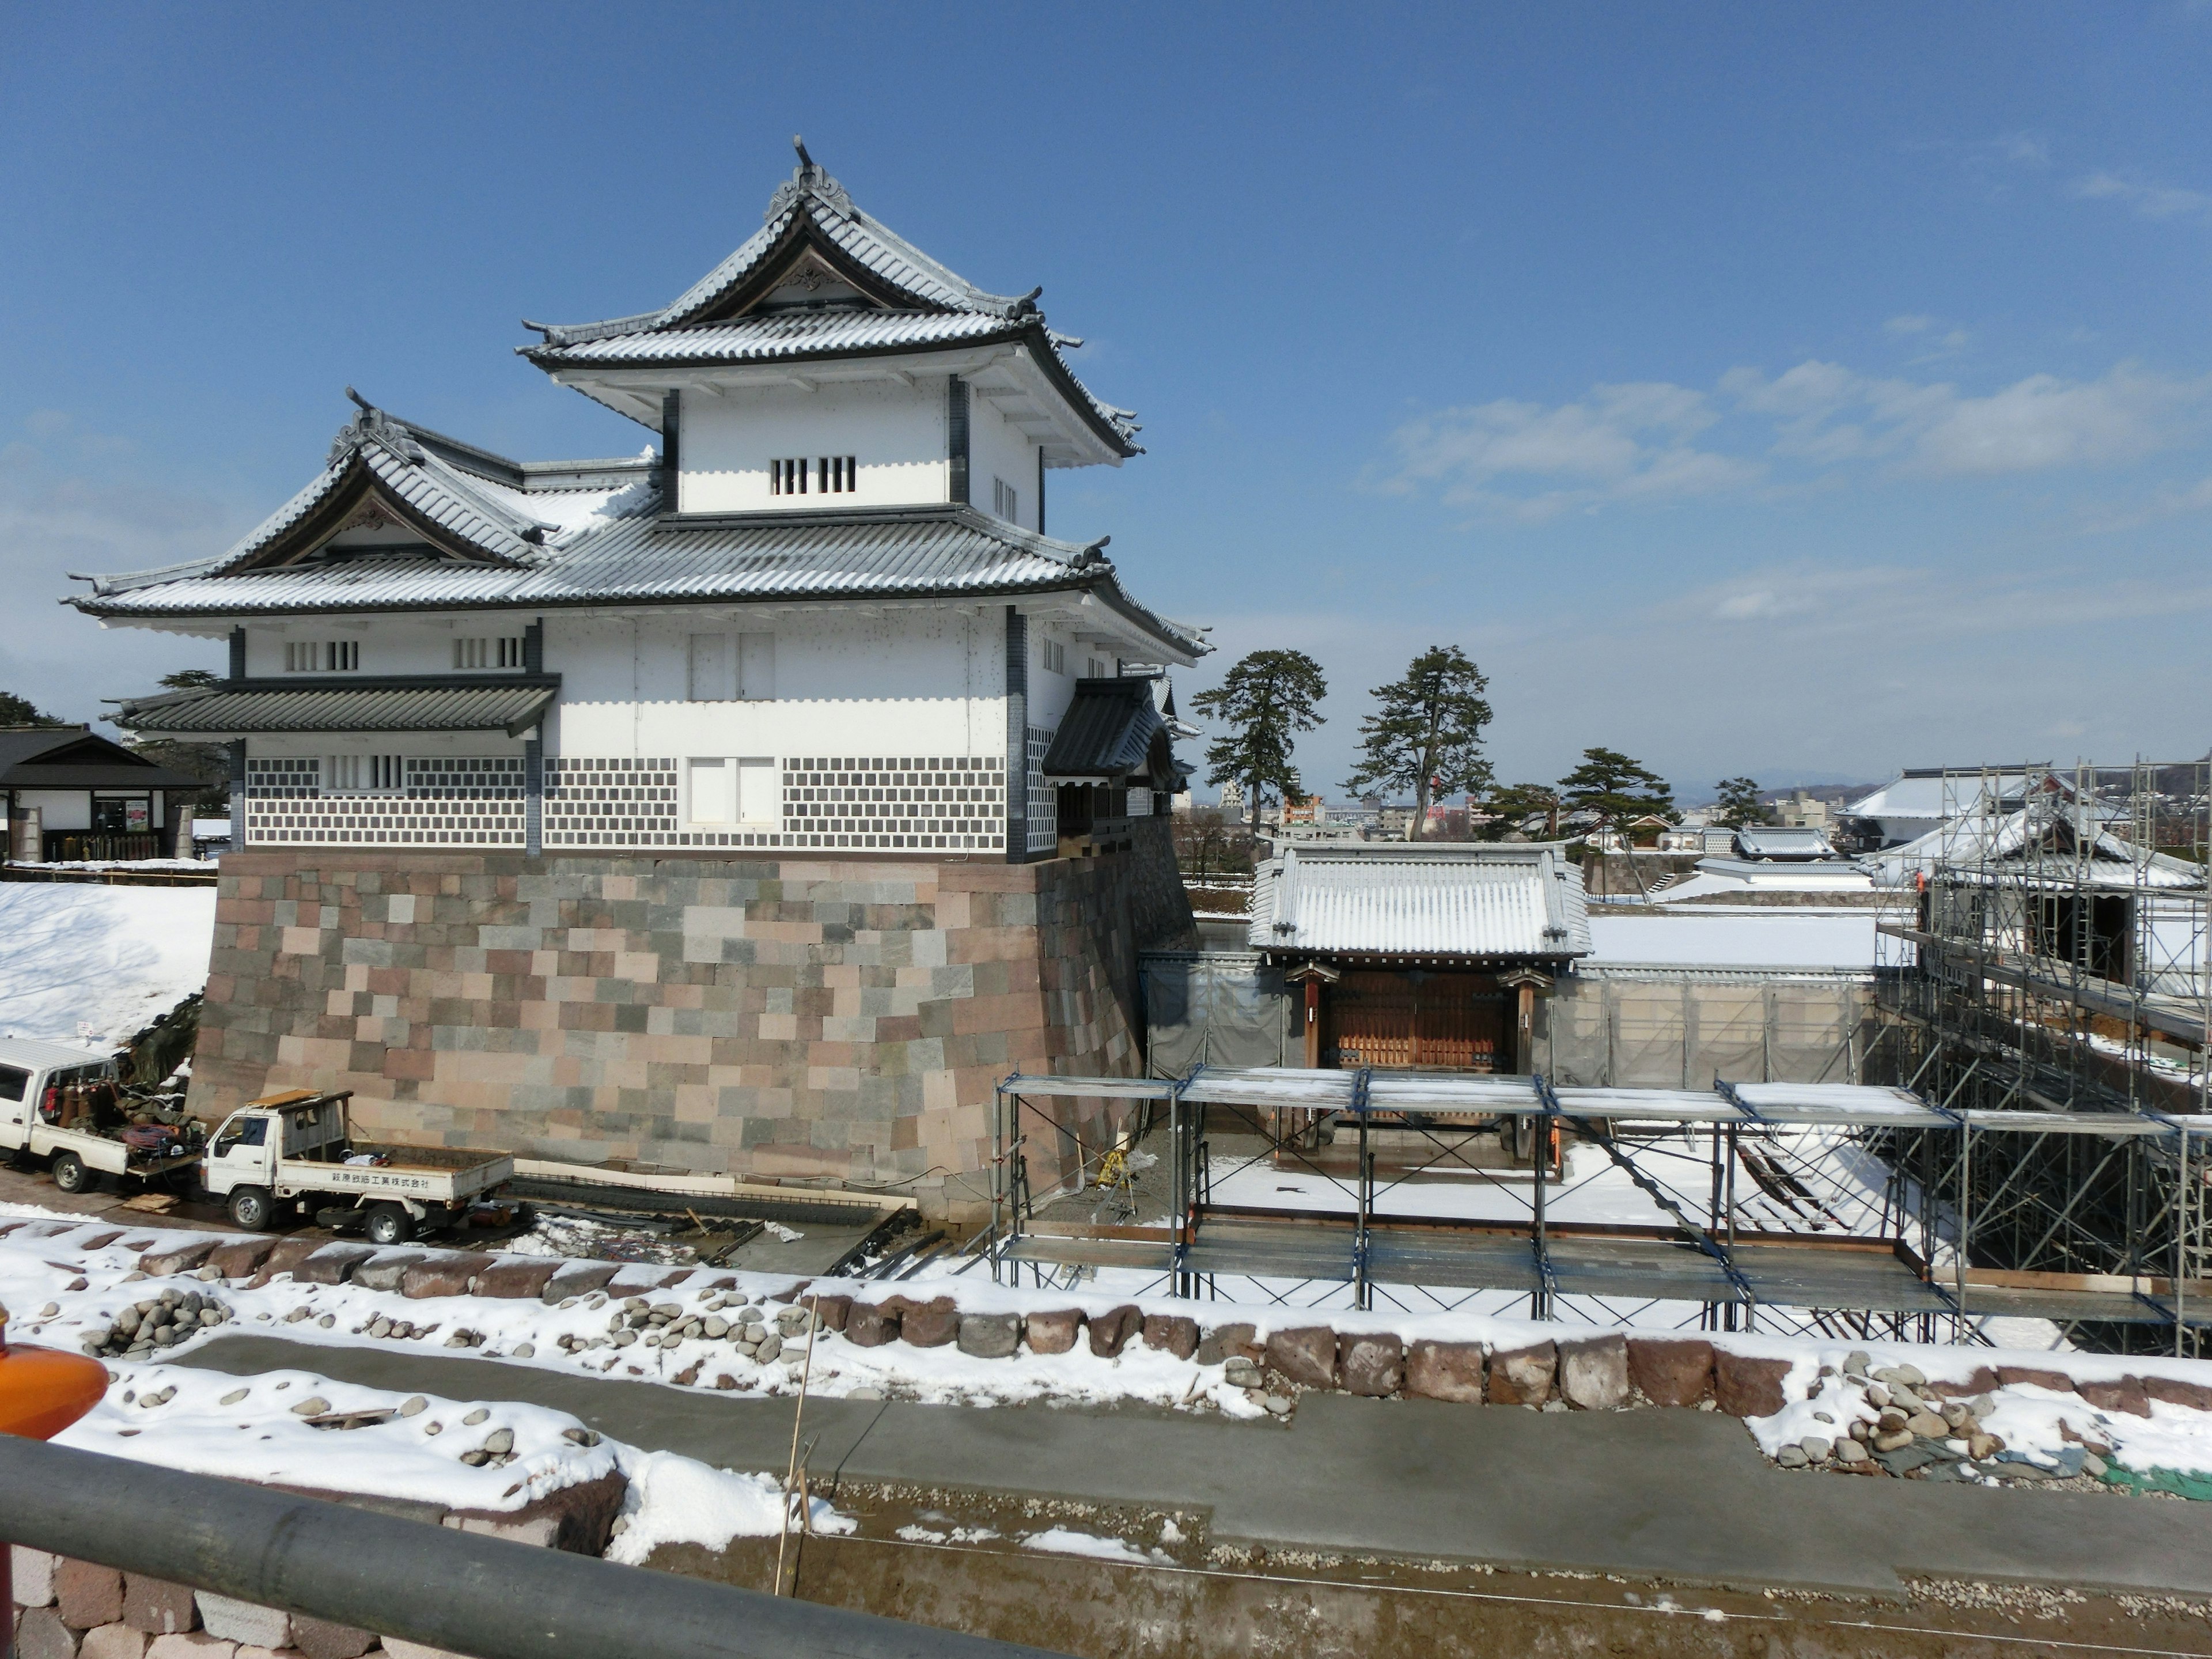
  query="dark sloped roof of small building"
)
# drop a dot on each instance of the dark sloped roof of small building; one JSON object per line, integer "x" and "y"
{"x": 1107, "y": 730}
{"x": 429, "y": 705}
{"x": 76, "y": 757}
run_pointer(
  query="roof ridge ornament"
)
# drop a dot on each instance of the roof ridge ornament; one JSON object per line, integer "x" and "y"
{"x": 373, "y": 425}
{"x": 811, "y": 180}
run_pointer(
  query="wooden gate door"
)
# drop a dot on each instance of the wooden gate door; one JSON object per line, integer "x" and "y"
{"x": 1449, "y": 1021}
{"x": 1372, "y": 1016}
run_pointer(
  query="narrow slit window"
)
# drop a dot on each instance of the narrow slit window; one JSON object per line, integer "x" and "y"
{"x": 788, "y": 477}
{"x": 840, "y": 475}
{"x": 318, "y": 656}
{"x": 1005, "y": 500}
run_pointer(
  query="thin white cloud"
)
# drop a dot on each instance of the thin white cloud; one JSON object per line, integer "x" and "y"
{"x": 1651, "y": 441}
{"x": 1908, "y": 325}
{"x": 2146, "y": 199}
{"x": 1631, "y": 442}
{"x": 1827, "y": 415}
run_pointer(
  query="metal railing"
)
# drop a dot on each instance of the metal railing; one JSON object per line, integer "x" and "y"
{"x": 487, "y": 1598}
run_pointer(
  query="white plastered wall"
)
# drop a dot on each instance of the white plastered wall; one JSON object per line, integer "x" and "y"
{"x": 895, "y": 432}
{"x": 921, "y": 680}
{"x": 389, "y": 644}
{"x": 997, "y": 449}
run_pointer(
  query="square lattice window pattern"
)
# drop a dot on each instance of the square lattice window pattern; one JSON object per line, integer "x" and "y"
{"x": 615, "y": 801}
{"x": 939, "y": 803}
{"x": 1044, "y": 809}
{"x": 447, "y": 801}
{"x": 947, "y": 803}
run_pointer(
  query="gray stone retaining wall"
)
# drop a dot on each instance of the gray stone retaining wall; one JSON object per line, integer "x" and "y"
{"x": 770, "y": 1018}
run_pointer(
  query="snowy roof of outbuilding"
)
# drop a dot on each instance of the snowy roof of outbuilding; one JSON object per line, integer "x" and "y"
{"x": 1765, "y": 937}
{"x": 1935, "y": 794}
{"x": 1421, "y": 899}
{"x": 2049, "y": 832}
{"x": 1778, "y": 841}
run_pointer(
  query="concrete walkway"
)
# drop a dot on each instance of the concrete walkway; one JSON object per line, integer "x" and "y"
{"x": 1674, "y": 1494}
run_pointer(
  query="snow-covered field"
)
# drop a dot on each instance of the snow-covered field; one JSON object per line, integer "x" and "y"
{"x": 299, "y": 1428}
{"x": 62, "y": 1291}
{"x": 96, "y": 964}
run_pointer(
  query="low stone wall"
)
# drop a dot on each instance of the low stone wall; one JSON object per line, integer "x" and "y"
{"x": 71, "y": 1609}
{"x": 771, "y": 1018}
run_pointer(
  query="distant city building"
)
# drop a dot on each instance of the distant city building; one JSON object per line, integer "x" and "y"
{"x": 1802, "y": 811}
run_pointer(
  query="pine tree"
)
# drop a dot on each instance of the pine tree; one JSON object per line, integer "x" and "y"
{"x": 1514, "y": 804}
{"x": 1616, "y": 789}
{"x": 22, "y": 711}
{"x": 1265, "y": 701}
{"x": 1427, "y": 734}
{"x": 1739, "y": 804}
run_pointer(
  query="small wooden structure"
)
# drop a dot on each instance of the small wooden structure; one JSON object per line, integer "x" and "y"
{"x": 73, "y": 794}
{"x": 1416, "y": 957}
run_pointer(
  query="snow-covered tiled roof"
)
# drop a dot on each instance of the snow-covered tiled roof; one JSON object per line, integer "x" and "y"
{"x": 1411, "y": 899}
{"x": 637, "y": 556}
{"x": 810, "y": 201}
{"x": 899, "y": 299}
{"x": 783, "y": 334}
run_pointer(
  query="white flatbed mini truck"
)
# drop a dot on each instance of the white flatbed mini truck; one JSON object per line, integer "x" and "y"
{"x": 58, "y": 1103}
{"x": 274, "y": 1154}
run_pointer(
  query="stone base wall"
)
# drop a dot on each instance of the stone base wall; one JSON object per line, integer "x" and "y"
{"x": 777, "y": 1017}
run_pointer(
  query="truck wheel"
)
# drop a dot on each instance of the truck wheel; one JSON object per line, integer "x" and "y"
{"x": 390, "y": 1224}
{"x": 70, "y": 1174}
{"x": 249, "y": 1208}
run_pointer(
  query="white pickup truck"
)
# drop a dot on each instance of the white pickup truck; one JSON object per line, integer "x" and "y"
{"x": 286, "y": 1150}
{"x": 58, "y": 1102}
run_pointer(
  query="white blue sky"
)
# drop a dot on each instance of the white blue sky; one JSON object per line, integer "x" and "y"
{"x": 1800, "y": 391}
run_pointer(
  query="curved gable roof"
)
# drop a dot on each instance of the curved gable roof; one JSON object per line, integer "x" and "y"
{"x": 809, "y": 211}
{"x": 913, "y": 303}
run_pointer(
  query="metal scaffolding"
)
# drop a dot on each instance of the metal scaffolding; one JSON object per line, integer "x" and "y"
{"x": 1883, "y": 1280}
{"x": 2045, "y": 948}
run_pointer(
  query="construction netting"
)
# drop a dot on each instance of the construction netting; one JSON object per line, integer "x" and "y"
{"x": 1644, "y": 1028}
{"x": 1216, "y": 1008}
{"x": 1660, "y": 1030}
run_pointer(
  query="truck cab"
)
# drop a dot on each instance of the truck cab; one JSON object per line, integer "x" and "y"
{"x": 287, "y": 1151}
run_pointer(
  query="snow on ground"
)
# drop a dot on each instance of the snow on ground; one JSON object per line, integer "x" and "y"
{"x": 97, "y": 964}
{"x": 679, "y": 1500}
{"x": 1064, "y": 1540}
{"x": 62, "y": 1292}
{"x": 36, "y": 1273}
{"x": 257, "y": 1429}
{"x": 282, "y": 1427}
{"x": 566, "y": 1235}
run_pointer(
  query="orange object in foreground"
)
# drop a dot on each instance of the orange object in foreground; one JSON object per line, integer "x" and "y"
{"x": 44, "y": 1390}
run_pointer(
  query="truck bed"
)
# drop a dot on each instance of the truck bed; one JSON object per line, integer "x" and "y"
{"x": 445, "y": 1159}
